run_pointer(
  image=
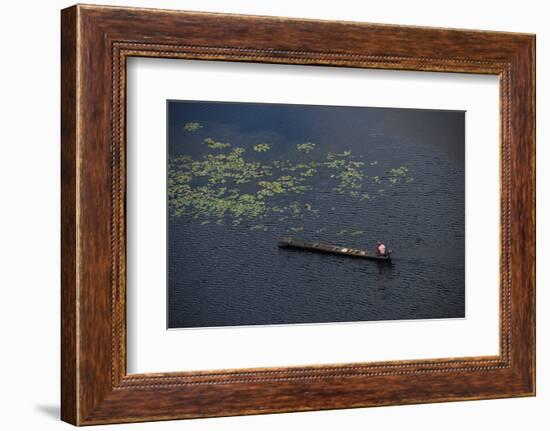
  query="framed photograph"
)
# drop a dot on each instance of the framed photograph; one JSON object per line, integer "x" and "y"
{"x": 265, "y": 214}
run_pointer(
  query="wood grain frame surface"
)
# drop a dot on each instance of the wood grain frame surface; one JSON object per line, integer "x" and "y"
{"x": 96, "y": 41}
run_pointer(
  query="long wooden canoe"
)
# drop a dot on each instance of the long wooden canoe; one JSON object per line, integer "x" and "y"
{"x": 332, "y": 249}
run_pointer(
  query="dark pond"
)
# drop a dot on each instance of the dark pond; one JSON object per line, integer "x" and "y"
{"x": 395, "y": 175}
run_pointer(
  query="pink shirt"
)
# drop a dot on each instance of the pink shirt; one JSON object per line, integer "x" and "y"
{"x": 382, "y": 249}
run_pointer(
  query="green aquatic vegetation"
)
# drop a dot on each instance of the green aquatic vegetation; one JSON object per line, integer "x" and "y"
{"x": 260, "y": 148}
{"x": 306, "y": 147}
{"x": 192, "y": 126}
{"x": 295, "y": 209}
{"x": 309, "y": 172}
{"x": 214, "y": 144}
{"x": 401, "y": 170}
{"x": 399, "y": 174}
{"x": 306, "y": 168}
{"x": 218, "y": 169}
{"x": 285, "y": 184}
{"x": 334, "y": 162}
{"x": 349, "y": 178}
{"x": 332, "y": 156}
{"x": 225, "y": 186}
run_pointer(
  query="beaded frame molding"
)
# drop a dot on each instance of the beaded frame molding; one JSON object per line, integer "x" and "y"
{"x": 95, "y": 43}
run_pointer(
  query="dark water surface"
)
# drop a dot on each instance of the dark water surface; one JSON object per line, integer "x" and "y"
{"x": 224, "y": 275}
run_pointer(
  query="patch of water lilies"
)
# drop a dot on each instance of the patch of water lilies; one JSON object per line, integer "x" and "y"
{"x": 192, "y": 126}
{"x": 215, "y": 144}
{"x": 260, "y": 148}
{"x": 306, "y": 147}
{"x": 226, "y": 185}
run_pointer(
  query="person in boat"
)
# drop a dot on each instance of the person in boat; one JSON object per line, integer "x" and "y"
{"x": 381, "y": 249}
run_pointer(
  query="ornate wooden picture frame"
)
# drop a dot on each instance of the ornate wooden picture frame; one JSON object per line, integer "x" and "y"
{"x": 96, "y": 41}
